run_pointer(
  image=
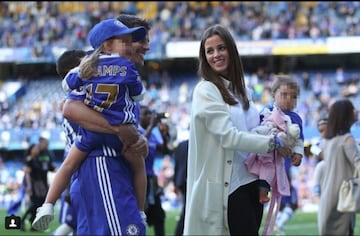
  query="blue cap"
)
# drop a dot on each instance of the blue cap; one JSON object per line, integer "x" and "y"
{"x": 109, "y": 28}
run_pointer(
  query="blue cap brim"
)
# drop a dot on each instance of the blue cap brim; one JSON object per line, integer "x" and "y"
{"x": 111, "y": 28}
{"x": 138, "y": 34}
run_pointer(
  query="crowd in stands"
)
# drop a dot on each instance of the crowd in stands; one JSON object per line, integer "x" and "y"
{"x": 172, "y": 94}
{"x": 32, "y": 110}
{"x": 43, "y": 25}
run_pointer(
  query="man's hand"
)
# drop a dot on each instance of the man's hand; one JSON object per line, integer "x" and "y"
{"x": 127, "y": 133}
{"x": 140, "y": 148}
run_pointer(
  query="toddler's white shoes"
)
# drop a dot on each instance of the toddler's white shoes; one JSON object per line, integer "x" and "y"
{"x": 44, "y": 215}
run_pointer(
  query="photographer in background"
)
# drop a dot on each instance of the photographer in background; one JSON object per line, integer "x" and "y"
{"x": 150, "y": 123}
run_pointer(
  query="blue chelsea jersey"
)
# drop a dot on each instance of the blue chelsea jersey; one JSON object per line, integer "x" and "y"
{"x": 114, "y": 90}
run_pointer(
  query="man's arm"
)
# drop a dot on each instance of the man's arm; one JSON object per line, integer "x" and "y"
{"x": 86, "y": 117}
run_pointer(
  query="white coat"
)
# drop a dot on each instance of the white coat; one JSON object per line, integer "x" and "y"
{"x": 213, "y": 141}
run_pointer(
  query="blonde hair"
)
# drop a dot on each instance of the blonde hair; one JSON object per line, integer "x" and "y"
{"x": 88, "y": 65}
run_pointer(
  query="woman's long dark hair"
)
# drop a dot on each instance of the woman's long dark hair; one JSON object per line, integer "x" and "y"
{"x": 341, "y": 118}
{"x": 235, "y": 69}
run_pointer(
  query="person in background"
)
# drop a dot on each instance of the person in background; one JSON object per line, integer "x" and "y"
{"x": 45, "y": 154}
{"x": 31, "y": 154}
{"x": 317, "y": 150}
{"x": 180, "y": 158}
{"x": 39, "y": 162}
{"x": 22, "y": 198}
{"x": 67, "y": 216}
{"x": 222, "y": 195}
{"x": 157, "y": 144}
{"x": 341, "y": 159}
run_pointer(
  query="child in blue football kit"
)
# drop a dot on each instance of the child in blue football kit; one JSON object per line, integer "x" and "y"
{"x": 104, "y": 179}
{"x": 67, "y": 216}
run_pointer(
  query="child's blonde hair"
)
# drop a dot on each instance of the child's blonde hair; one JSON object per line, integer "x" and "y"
{"x": 88, "y": 65}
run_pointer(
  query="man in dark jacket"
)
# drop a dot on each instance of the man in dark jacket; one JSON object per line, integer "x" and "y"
{"x": 180, "y": 157}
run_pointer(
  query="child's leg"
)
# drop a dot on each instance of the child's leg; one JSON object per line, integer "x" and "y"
{"x": 45, "y": 213}
{"x": 140, "y": 181}
{"x": 264, "y": 189}
{"x": 137, "y": 162}
{"x": 283, "y": 216}
{"x": 63, "y": 175}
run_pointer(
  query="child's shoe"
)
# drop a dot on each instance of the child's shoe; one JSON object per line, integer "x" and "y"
{"x": 44, "y": 215}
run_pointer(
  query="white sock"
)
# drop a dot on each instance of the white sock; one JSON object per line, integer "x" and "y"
{"x": 63, "y": 229}
{"x": 285, "y": 215}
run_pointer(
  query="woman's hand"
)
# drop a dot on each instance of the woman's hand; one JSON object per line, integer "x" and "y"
{"x": 284, "y": 151}
{"x": 296, "y": 159}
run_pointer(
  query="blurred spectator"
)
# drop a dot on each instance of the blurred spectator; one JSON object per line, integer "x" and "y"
{"x": 339, "y": 75}
{"x": 316, "y": 149}
{"x": 30, "y": 190}
{"x": 39, "y": 161}
{"x": 180, "y": 175}
{"x": 157, "y": 143}
{"x": 341, "y": 160}
{"x": 305, "y": 77}
{"x": 22, "y": 197}
{"x": 350, "y": 90}
{"x": 46, "y": 156}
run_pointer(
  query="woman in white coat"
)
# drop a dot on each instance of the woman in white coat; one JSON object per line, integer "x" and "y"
{"x": 222, "y": 196}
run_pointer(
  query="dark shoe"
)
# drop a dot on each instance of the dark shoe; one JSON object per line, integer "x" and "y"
{"x": 22, "y": 226}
